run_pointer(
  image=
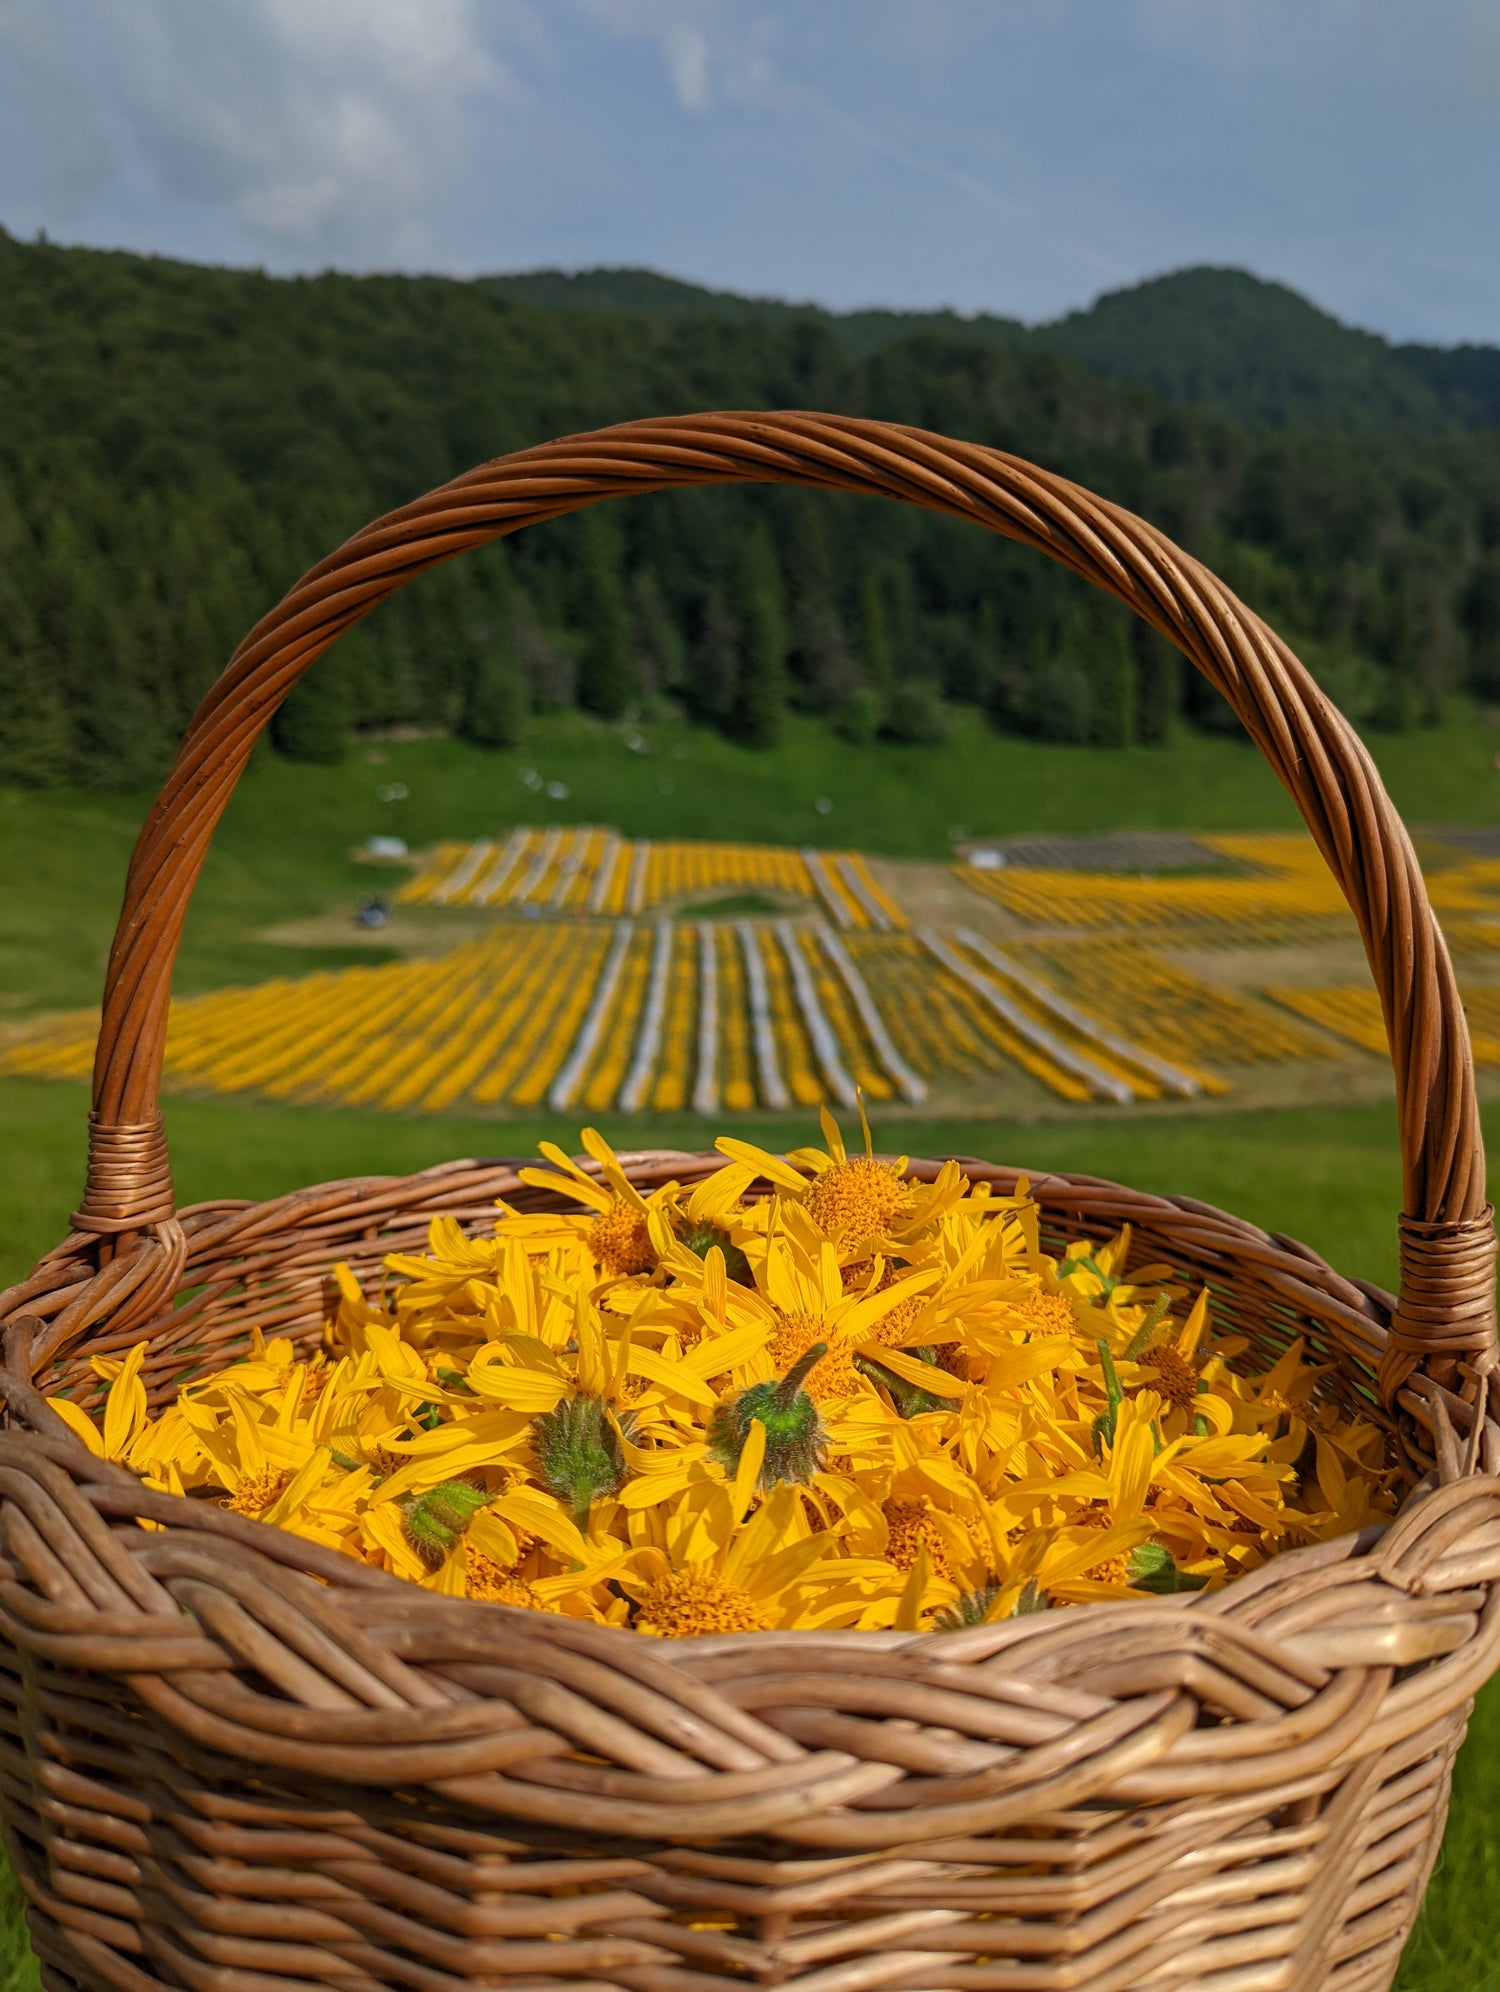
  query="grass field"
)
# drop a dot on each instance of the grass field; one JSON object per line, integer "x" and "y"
{"x": 1329, "y": 1175}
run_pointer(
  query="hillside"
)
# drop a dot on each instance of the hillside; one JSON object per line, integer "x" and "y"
{"x": 650, "y": 293}
{"x": 1208, "y": 338}
{"x": 178, "y": 443}
{"x": 1260, "y": 352}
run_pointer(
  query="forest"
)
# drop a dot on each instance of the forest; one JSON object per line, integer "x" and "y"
{"x": 178, "y": 443}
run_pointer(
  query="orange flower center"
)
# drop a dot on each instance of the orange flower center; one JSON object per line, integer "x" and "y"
{"x": 894, "y": 1330}
{"x": 911, "y": 1527}
{"x": 1175, "y": 1376}
{"x": 691, "y": 1602}
{"x": 486, "y": 1580}
{"x": 1052, "y": 1311}
{"x": 856, "y": 1202}
{"x": 1114, "y": 1570}
{"x": 257, "y": 1491}
{"x": 856, "y": 1275}
{"x": 832, "y": 1379}
{"x": 620, "y": 1241}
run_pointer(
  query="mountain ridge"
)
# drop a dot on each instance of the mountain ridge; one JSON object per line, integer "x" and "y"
{"x": 1206, "y": 336}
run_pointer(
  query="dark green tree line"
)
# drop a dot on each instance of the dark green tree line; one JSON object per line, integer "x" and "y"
{"x": 178, "y": 444}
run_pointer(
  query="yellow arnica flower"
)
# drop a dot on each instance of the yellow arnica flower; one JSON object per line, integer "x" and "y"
{"x": 809, "y": 1392}
{"x": 858, "y": 1202}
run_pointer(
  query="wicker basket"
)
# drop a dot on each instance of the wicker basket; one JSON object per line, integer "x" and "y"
{"x": 232, "y": 1762}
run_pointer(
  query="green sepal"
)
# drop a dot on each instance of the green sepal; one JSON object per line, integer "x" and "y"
{"x": 971, "y": 1608}
{"x": 579, "y": 1452}
{"x": 910, "y": 1400}
{"x": 1104, "y": 1425}
{"x": 794, "y": 1431}
{"x": 1153, "y": 1567}
{"x": 1086, "y": 1260}
{"x": 434, "y": 1521}
{"x": 1140, "y": 1341}
{"x": 700, "y": 1239}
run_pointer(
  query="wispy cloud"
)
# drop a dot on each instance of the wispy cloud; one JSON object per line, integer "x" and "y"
{"x": 713, "y": 53}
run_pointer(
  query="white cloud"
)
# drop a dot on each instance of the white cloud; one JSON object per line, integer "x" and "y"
{"x": 322, "y": 127}
{"x": 712, "y": 54}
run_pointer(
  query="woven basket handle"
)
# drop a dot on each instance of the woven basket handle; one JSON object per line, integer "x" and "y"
{"x": 1446, "y": 1306}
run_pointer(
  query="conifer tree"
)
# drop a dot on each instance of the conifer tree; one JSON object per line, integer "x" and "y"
{"x": 607, "y": 681}
{"x": 713, "y": 686}
{"x": 824, "y": 669}
{"x": 1158, "y": 684}
{"x": 36, "y": 735}
{"x": 1112, "y": 671}
{"x": 496, "y": 703}
{"x": 312, "y": 721}
{"x": 122, "y": 738}
{"x": 760, "y": 694}
{"x": 657, "y": 640}
{"x": 875, "y": 639}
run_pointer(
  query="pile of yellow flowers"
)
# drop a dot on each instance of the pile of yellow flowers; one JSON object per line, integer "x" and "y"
{"x": 856, "y": 1401}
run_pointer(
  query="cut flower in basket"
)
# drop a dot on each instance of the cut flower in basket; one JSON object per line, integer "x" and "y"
{"x": 806, "y": 1391}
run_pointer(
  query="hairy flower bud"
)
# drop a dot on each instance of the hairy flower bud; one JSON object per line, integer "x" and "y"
{"x": 434, "y": 1521}
{"x": 794, "y": 1431}
{"x": 700, "y": 1239}
{"x": 579, "y": 1454}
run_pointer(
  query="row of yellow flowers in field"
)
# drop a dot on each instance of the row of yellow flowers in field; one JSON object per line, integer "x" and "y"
{"x": 1353, "y": 1012}
{"x": 858, "y": 1401}
{"x": 1290, "y": 894}
{"x": 595, "y": 871}
{"x": 1282, "y": 892}
{"x": 852, "y": 1030}
{"x": 1120, "y": 980}
{"x": 600, "y": 1015}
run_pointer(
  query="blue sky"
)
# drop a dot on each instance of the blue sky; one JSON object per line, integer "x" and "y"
{"x": 1017, "y": 156}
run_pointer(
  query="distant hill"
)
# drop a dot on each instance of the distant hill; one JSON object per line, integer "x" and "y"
{"x": 1262, "y": 353}
{"x": 649, "y": 293}
{"x": 1208, "y": 338}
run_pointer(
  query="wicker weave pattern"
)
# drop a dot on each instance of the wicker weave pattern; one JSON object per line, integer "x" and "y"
{"x": 231, "y": 1762}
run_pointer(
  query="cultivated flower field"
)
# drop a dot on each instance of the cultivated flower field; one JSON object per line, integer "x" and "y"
{"x": 1280, "y": 891}
{"x": 595, "y": 987}
{"x": 586, "y": 870}
{"x": 1289, "y": 895}
{"x": 635, "y": 1016}
{"x": 1354, "y": 1013}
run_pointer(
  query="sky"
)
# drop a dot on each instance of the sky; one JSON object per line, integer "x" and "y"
{"x": 1015, "y": 156}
